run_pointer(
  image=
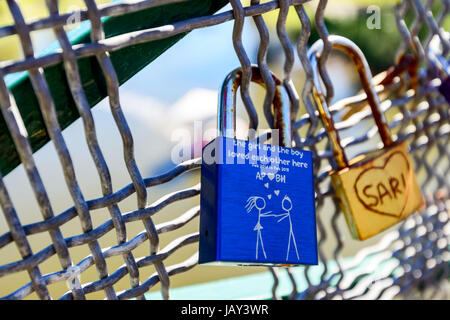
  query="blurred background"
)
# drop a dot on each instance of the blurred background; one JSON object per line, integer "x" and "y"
{"x": 178, "y": 88}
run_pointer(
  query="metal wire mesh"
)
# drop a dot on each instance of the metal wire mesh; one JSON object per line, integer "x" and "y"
{"x": 411, "y": 256}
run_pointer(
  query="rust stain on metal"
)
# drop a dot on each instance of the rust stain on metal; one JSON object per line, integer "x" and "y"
{"x": 406, "y": 63}
{"x": 371, "y": 98}
{"x": 277, "y": 101}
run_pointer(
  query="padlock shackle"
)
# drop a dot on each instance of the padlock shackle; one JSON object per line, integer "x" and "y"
{"x": 352, "y": 50}
{"x": 226, "y": 121}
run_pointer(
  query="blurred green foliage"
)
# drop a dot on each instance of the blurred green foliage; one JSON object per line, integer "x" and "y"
{"x": 379, "y": 45}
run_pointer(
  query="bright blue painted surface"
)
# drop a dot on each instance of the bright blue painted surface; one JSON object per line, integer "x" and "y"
{"x": 208, "y": 208}
{"x": 240, "y": 193}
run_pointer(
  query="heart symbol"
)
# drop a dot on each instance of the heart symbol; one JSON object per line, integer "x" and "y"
{"x": 277, "y": 192}
{"x": 271, "y": 175}
{"x": 385, "y": 189}
{"x": 269, "y": 196}
{"x": 266, "y": 185}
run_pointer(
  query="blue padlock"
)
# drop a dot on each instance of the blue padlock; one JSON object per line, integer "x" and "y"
{"x": 257, "y": 200}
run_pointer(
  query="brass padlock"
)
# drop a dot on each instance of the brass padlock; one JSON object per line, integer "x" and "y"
{"x": 375, "y": 190}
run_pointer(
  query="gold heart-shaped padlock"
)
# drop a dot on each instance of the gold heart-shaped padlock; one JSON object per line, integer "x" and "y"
{"x": 377, "y": 190}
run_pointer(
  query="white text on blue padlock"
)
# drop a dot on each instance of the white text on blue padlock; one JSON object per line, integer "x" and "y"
{"x": 257, "y": 200}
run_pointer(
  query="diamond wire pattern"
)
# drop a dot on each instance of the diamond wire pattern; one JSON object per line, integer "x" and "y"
{"x": 412, "y": 255}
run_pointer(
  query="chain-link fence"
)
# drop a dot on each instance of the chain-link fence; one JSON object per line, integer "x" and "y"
{"x": 409, "y": 260}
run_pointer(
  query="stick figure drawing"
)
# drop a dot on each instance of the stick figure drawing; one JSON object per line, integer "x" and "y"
{"x": 286, "y": 205}
{"x": 259, "y": 203}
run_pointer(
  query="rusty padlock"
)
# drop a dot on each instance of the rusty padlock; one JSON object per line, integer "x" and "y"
{"x": 375, "y": 190}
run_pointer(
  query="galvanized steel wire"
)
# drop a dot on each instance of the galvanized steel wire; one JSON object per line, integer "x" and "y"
{"x": 413, "y": 255}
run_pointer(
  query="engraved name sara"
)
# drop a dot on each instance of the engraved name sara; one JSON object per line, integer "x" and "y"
{"x": 385, "y": 189}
